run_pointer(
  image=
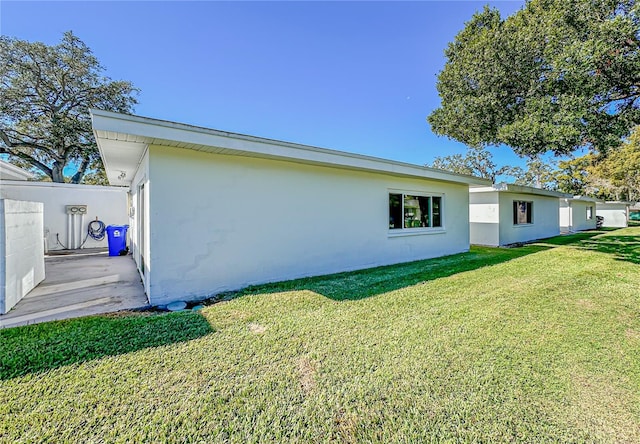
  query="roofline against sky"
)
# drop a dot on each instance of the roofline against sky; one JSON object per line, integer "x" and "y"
{"x": 155, "y": 129}
{"x": 520, "y": 189}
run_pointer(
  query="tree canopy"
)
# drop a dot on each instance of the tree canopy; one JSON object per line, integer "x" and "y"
{"x": 556, "y": 76}
{"x": 476, "y": 162}
{"x": 573, "y": 177}
{"x": 45, "y": 96}
{"x": 538, "y": 174}
{"x": 617, "y": 176}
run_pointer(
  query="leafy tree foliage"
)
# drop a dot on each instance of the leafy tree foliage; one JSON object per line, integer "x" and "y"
{"x": 476, "y": 162}
{"x": 558, "y": 75}
{"x": 538, "y": 174}
{"x": 572, "y": 176}
{"x": 617, "y": 176}
{"x": 45, "y": 96}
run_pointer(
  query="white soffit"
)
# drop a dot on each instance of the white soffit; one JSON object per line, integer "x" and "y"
{"x": 120, "y": 158}
{"x": 122, "y": 140}
{"x": 9, "y": 171}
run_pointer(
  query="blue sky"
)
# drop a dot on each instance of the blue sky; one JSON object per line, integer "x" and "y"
{"x": 353, "y": 76}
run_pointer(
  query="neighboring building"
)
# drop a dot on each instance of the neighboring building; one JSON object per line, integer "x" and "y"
{"x": 70, "y": 208}
{"x": 505, "y": 214}
{"x": 214, "y": 211}
{"x": 577, "y": 213}
{"x": 615, "y": 214}
{"x": 634, "y": 212}
{"x": 12, "y": 172}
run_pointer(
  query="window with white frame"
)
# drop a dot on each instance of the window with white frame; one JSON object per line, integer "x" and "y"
{"x": 589, "y": 212}
{"x": 408, "y": 211}
{"x": 522, "y": 212}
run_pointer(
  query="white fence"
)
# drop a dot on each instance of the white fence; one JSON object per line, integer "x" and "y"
{"x": 62, "y": 227}
{"x": 21, "y": 250}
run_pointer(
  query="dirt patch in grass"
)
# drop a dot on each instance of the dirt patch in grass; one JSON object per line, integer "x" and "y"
{"x": 256, "y": 328}
{"x": 346, "y": 426}
{"x": 306, "y": 373}
{"x": 587, "y": 304}
{"x": 632, "y": 334}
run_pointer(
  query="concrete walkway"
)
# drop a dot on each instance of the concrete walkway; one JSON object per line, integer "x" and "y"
{"x": 80, "y": 283}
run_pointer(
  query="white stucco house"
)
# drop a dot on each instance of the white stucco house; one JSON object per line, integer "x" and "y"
{"x": 577, "y": 213}
{"x": 615, "y": 214}
{"x": 214, "y": 211}
{"x": 505, "y": 214}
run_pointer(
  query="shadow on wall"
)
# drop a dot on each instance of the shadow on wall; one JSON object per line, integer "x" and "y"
{"x": 362, "y": 284}
{"x": 42, "y": 347}
{"x": 374, "y": 281}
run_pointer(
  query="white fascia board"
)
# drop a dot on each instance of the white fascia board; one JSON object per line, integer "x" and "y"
{"x": 9, "y": 171}
{"x": 615, "y": 202}
{"x": 585, "y": 199}
{"x": 160, "y": 132}
{"x": 79, "y": 186}
{"x": 519, "y": 189}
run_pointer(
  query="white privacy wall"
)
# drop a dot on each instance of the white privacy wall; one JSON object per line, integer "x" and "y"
{"x": 545, "y": 220}
{"x": 565, "y": 215}
{"x": 21, "y": 250}
{"x": 108, "y": 204}
{"x": 222, "y": 222}
{"x": 484, "y": 218}
{"x": 614, "y": 214}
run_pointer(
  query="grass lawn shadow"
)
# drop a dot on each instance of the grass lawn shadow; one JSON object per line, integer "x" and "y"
{"x": 622, "y": 247}
{"x": 41, "y": 347}
{"x": 361, "y": 284}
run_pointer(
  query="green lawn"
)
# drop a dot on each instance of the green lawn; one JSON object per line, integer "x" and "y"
{"x": 533, "y": 344}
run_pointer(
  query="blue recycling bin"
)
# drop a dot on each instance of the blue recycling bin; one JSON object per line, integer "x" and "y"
{"x": 117, "y": 238}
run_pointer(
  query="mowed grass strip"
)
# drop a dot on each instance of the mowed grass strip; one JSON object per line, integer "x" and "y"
{"x": 533, "y": 344}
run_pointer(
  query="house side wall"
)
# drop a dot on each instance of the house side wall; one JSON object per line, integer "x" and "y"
{"x": 483, "y": 218}
{"x": 21, "y": 250}
{"x": 579, "y": 216}
{"x": 231, "y": 221}
{"x": 139, "y": 221}
{"x": 108, "y": 204}
{"x": 614, "y": 214}
{"x": 545, "y": 220}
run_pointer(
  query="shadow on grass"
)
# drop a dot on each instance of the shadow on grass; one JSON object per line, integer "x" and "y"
{"x": 625, "y": 248}
{"x": 362, "y": 284}
{"x": 41, "y": 347}
{"x": 622, "y": 247}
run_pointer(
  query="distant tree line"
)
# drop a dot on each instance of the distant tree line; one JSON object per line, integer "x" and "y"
{"x": 615, "y": 176}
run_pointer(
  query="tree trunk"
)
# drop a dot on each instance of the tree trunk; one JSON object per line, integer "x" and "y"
{"x": 56, "y": 172}
{"x": 81, "y": 170}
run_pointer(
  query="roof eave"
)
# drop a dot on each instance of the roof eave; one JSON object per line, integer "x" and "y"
{"x": 521, "y": 189}
{"x": 113, "y": 126}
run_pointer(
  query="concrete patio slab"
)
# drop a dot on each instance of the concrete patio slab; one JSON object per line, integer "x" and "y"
{"x": 80, "y": 283}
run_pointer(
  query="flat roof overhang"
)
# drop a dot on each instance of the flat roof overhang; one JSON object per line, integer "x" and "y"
{"x": 123, "y": 140}
{"x": 519, "y": 189}
{"x": 9, "y": 171}
{"x": 585, "y": 199}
